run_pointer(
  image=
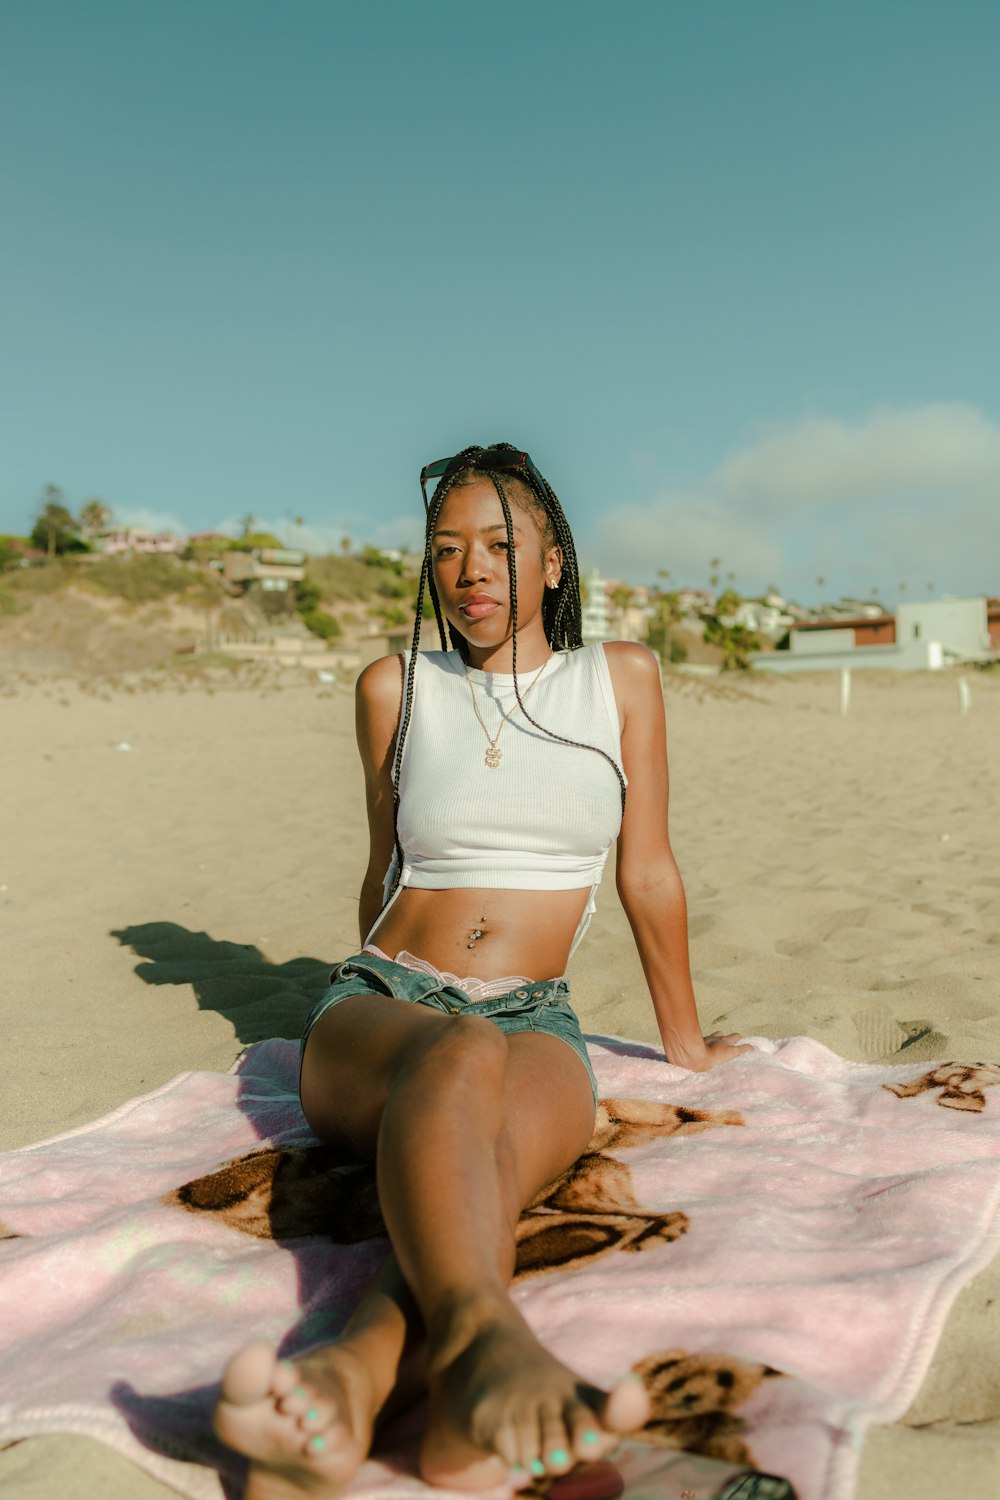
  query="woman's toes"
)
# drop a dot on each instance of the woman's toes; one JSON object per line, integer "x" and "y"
{"x": 589, "y": 1440}
{"x": 555, "y": 1448}
{"x": 317, "y": 1416}
{"x": 297, "y": 1402}
{"x": 286, "y": 1378}
{"x": 249, "y": 1375}
{"x": 627, "y": 1407}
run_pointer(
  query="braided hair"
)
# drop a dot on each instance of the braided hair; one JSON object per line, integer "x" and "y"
{"x": 562, "y": 610}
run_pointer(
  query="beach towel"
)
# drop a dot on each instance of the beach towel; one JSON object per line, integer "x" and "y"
{"x": 773, "y": 1245}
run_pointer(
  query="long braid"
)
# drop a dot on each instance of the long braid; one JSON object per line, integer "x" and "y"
{"x": 425, "y": 584}
{"x": 498, "y": 483}
{"x": 562, "y": 616}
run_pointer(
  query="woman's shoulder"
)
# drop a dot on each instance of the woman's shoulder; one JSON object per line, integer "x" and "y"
{"x": 631, "y": 662}
{"x": 380, "y": 682}
{"x": 383, "y": 678}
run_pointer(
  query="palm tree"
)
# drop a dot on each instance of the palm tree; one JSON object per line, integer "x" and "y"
{"x": 94, "y": 516}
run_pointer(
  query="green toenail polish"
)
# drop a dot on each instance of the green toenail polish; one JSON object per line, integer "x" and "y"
{"x": 517, "y": 1468}
{"x": 537, "y": 1467}
{"x": 558, "y": 1456}
{"x": 590, "y": 1436}
{"x": 317, "y": 1443}
{"x": 311, "y": 1414}
{"x": 299, "y": 1391}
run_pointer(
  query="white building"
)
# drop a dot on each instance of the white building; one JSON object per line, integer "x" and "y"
{"x": 595, "y": 623}
{"x": 923, "y": 637}
{"x": 960, "y": 625}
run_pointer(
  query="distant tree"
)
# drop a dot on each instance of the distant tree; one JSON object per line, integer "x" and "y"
{"x": 930, "y": 588}
{"x": 715, "y": 563}
{"x": 248, "y": 525}
{"x": 666, "y": 614}
{"x": 94, "y": 516}
{"x": 737, "y": 642}
{"x": 345, "y": 545}
{"x": 55, "y": 529}
{"x": 622, "y": 596}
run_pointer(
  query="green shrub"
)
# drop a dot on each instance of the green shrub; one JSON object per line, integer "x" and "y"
{"x": 308, "y": 599}
{"x": 43, "y": 578}
{"x": 320, "y": 623}
{"x": 141, "y": 578}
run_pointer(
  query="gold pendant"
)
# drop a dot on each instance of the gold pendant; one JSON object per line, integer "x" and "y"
{"x": 493, "y": 755}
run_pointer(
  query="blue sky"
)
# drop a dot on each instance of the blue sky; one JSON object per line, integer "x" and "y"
{"x": 728, "y": 271}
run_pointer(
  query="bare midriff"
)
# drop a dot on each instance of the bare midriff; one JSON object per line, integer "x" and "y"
{"x": 521, "y": 932}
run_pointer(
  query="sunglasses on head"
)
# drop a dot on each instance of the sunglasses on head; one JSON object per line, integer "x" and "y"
{"x": 502, "y": 459}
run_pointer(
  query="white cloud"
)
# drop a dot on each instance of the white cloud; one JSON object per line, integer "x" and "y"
{"x": 949, "y": 448}
{"x": 906, "y": 494}
{"x": 155, "y": 521}
{"x": 680, "y": 532}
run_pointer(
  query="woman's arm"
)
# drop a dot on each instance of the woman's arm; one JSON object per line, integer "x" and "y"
{"x": 378, "y": 698}
{"x": 649, "y": 883}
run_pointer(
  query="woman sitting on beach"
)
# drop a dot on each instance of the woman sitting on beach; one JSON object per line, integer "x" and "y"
{"x": 496, "y": 778}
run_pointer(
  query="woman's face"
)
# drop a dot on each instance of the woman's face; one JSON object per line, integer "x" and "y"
{"x": 469, "y": 556}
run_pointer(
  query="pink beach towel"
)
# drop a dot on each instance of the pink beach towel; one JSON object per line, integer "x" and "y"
{"x": 775, "y": 1245}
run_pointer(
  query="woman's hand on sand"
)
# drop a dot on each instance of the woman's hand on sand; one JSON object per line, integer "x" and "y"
{"x": 719, "y": 1048}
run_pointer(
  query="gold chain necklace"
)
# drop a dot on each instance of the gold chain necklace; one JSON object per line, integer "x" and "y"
{"x": 494, "y": 754}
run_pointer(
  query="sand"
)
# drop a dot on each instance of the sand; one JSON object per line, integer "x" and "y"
{"x": 163, "y": 905}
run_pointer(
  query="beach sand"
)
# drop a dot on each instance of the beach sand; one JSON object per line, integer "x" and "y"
{"x": 163, "y": 905}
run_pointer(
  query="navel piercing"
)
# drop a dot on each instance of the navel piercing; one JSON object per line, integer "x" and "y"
{"x": 475, "y": 934}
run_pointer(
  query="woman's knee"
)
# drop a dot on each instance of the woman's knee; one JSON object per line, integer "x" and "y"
{"x": 462, "y": 1051}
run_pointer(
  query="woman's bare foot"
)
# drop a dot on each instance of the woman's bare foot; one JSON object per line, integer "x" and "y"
{"x": 500, "y": 1403}
{"x": 307, "y": 1427}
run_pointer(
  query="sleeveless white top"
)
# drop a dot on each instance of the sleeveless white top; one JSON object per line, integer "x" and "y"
{"x": 547, "y": 816}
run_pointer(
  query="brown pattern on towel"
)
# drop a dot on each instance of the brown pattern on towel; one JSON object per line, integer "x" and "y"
{"x": 587, "y": 1213}
{"x": 695, "y": 1399}
{"x": 961, "y": 1084}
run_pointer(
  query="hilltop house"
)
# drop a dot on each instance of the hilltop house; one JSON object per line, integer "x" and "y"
{"x": 264, "y": 570}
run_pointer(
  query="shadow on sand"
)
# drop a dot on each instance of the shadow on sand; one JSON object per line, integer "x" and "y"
{"x": 260, "y": 999}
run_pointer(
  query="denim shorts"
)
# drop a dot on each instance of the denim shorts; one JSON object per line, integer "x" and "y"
{"x": 541, "y": 1006}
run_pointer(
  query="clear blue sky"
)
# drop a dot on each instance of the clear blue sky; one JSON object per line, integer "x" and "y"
{"x": 728, "y": 271}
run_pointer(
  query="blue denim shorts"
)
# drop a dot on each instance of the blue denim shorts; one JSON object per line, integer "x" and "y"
{"x": 542, "y": 1007}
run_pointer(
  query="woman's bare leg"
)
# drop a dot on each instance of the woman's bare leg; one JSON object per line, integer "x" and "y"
{"x": 465, "y": 1126}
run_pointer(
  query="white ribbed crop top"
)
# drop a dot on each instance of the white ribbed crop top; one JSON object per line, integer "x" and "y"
{"x": 546, "y": 817}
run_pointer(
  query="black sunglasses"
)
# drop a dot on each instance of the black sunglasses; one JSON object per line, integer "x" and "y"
{"x": 503, "y": 459}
